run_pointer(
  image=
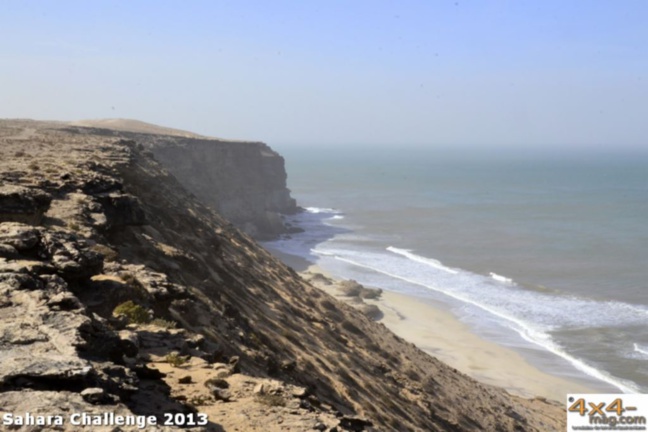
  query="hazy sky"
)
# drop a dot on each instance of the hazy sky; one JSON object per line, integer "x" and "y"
{"x": 436, "y": 73}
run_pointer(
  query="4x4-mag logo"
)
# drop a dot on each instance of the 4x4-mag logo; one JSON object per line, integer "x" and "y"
{"x": 607, "y": 412}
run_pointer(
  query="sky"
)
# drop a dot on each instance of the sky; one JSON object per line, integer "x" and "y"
{"x": 447, "y": 74}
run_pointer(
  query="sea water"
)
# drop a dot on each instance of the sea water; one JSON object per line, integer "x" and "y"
{"x": 547, "y": 255}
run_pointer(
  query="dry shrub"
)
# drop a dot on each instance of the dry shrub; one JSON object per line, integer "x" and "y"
{"x": 135, "y": 313}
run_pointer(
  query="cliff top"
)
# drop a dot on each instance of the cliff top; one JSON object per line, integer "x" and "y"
{"x": 129, "y": 125}
{"x": 140, "y": 127}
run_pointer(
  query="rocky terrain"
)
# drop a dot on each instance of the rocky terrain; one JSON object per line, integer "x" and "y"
{"x": 245, "y": 182}
{"x": 121, "y": 292}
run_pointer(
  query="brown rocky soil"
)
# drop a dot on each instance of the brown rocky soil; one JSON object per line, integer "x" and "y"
{"x": 90, "y": 220}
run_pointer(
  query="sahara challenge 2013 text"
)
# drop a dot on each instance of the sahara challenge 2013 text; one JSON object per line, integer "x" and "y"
{"x": 103, "y": 419}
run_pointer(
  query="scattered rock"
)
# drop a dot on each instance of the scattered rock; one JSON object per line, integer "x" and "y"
{"x": 370, "y": 293}
{"x": 185, "y": 379}
{"x": 354, "y": 424}
{"x": 213, "y": 383}
{"x": 371, "y": 311}
{"x": 94, "y": 395}
{"x": 130, "y": 341}
{"x": 352, "y": 288}
{"x": 288, "y": 365}
{"x": 221, "y": 394}
{"x": 320, "y": 278}
{"x": 299, "y": 392}
{"x": 195, "y": 341}
{"x": 234, "y": 364}
{"x": 64, "y": 301}
{"x": 146, "y": 373}
{"x": 349, "y": 288}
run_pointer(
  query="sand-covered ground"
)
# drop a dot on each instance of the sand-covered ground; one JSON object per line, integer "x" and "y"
{"x": 441, "y": 334}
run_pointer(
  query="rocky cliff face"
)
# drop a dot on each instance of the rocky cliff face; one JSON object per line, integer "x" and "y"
{"x": 121, "y": 293}
{"x": 243, "y": 181}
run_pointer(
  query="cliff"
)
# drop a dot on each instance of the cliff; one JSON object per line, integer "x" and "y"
{"x": 245, "y": 182}
{"x": 121, "y": 292}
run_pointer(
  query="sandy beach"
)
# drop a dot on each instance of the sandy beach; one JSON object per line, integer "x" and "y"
{"x": 440, "y": 334}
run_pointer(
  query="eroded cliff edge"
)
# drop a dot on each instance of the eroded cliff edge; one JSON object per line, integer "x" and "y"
{"x": 244, "y": 181}
{"x": 89, "y": 221}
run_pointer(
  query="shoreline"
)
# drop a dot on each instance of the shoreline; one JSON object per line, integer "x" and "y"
{"x": 440, "y": 334}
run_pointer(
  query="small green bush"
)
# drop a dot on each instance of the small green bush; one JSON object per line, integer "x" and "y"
{"x": 159, "y": 322}
{"x": 135, "y": 313}
{"x": 176, "y": 360}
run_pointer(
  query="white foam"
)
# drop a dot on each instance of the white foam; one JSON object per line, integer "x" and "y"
{"x": 427, "y": 261}
{"x": 536, "y": 333}
{"x": 532, "y": 314}
{"x": 546, "y": 310}
{"x": 321, "y": 210}
{"x": 501, "y": 278}
{"x": 641, "y": 349}
{"x": 316, "y": 229}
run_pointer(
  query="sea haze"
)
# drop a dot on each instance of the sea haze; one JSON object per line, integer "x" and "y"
{"x": 547, "y": 255}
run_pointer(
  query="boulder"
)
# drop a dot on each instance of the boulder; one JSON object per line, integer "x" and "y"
{"x": 19, "y": 236}
{"x": 94, "y": 395}
{"x": 350, "y": 288}
{"x": 99, "y": 183}
{"x": 371, "y": 311}
{"x": 70, "y": 258}
{"x": 354, "y": 424}
{"x": 22, "y": 204}
{"x": 122, "y": 210}
{"x": 8, "y": 251}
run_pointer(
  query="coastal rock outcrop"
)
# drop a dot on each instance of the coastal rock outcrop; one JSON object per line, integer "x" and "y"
{"x": 155, "y": 304}
{"x": 244, "y": 181}
{"x": 21, "y": 204}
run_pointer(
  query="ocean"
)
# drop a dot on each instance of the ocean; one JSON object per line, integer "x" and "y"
{"x": 544, "y": 254}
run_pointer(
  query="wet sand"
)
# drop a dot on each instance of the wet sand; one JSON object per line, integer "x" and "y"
{"x": 440, "y": 334}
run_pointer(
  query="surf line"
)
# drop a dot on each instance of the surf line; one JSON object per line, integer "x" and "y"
{"x": 526, "y": 332}
{"x": 427, "y": 261}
